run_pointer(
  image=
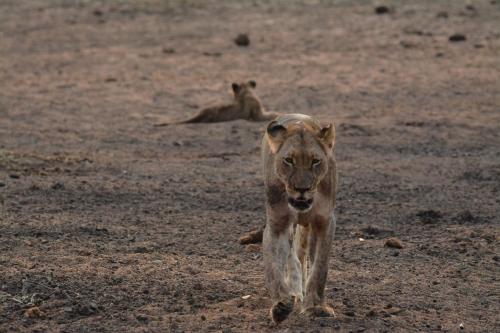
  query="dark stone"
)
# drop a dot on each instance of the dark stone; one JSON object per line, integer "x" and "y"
{"x": 242, "y": 40}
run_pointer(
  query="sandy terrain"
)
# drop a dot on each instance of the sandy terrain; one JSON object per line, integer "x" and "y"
{"x": 108, "y": 224}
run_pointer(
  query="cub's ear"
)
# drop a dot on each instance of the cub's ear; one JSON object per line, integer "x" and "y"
{"x": 275, "y": 135}
{"x": 252, "y": 83}
{"x": 327, "y": 135}
{"x": 236, "y": 88}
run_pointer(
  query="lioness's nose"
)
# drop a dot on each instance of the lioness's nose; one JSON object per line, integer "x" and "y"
{"x": 302, "y": 190}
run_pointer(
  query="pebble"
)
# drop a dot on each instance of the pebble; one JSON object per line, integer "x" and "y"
{"x": 242, "y": 40}
{"x": 394, "y": 242}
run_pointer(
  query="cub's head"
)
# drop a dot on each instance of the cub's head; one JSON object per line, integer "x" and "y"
{"x": 240, "y": 89}
{"x": 302, "y": 151}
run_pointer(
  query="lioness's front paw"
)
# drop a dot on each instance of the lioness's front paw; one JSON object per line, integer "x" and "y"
{"x": 280, "y": 310}
{"x": 319, "y": 311}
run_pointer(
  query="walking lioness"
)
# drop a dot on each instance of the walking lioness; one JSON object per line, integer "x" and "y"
{"x": 246, "y": 105}
{"x": 300, "y": 179}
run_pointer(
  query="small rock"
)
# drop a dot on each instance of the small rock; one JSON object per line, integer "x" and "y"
{"x": 141, "y": 249}
{"x": 177, "y": 143}
{"x": 14, "y": 176}
{"x": 374, "y": 230}
{"x": 429, "y": 216}
{"x": 252, "y": 248}
{"x": 203, "y": 318}
{"x": 34, "y": 312}
{"x": 242, "y": 40}
{"x": 350, "y": 313}
{"x": 442, "y": 15}
{"x": 111, "y": 79}
{"x": 2, "y": 184}
{"x": 439, "y": 54}
{"x": 168, "y": 50}
{"x": 97, "y": 12}
{"x": 394, "y": 243}
{"x": 379, "y": 10}
{"x": 142, "y": 318}
{"x": 212, "y": 54}
{"x": 457, "y": 38}
{"x": 407, "y": 45}
{"x": 57, "y": 186}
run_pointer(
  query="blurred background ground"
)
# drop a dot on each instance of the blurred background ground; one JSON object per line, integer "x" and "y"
{"x": 109, "y": 224}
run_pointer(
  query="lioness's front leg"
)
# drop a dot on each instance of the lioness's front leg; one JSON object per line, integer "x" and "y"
{"x": 323, "y": 230}
{"x": 276, "y": 250}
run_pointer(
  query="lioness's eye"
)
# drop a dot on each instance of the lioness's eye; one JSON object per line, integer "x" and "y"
{"x": 316, "y": 161}
{"x": 288, "y": 160}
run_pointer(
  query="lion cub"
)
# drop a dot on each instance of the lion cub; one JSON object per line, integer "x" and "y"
{"x": 300, "y": 179}
{"x": 246, "y": 105}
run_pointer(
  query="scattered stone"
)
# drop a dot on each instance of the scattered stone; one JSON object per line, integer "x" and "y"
{"x": 97, "y": 12}
{"x": 242, "y": 40}
{"x": 141, "y": 249}
{"x": 429, "y": 216}
{"x": 466, "y": 217}
{"x": 142, "y": 318}
{"x": 478, "y": 46}
{"x": 2, "y": 184}
{"x": 373, "y": 230}
{"x": 349, "y": 313}
{"x": 177, "y": 143}
{"x": 380, "y": 10}
{"x": 87, "y": 309}
{"x": 442, "y": 15}
{"x": 57, "y": 186}
{"x": 111, "y": 79}
{"x": 470, "y": 8}
{"x": 457, "y": 38}
{"x": 34, "y": 312}
{"x": 394, "y": 243}
{"x": 252, "y": 248}
{"x": 407, "y": 45}
{"x": 14, "y": 176}
{"x": 203, "y": 317}
{"x": 168, "y": 50}
{"x": 212, "y": 54}
{"x": 439, "y": 54}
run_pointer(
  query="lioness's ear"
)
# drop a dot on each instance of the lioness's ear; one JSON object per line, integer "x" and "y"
{"x": 236, "y": 88}
{"x": 327, "y": 134}
{"x": 275, "y": 135}
{"x": 252, "y": 83}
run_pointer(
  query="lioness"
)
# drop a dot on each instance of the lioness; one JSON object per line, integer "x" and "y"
{"x": 300, "y": 179}
{"x": 246, "y": 105}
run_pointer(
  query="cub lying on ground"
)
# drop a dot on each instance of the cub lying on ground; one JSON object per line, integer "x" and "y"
{"x": 300, "y": 179}
{"x": 246, "y": 105}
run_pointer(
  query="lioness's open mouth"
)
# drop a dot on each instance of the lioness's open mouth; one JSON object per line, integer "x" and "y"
{"x": 300, "y": 204}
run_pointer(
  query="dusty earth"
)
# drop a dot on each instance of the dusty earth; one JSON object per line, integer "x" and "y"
{"x": 109, "y": 224}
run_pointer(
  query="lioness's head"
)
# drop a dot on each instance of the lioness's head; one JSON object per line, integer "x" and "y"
{"x": 302, "y": 149}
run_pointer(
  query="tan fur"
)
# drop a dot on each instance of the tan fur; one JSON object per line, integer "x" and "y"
{"x": 246, "y": 105}
{"x": 300, "y": 179}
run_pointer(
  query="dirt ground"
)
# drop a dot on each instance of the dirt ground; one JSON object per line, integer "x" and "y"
{"x": 109, "y": 224}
